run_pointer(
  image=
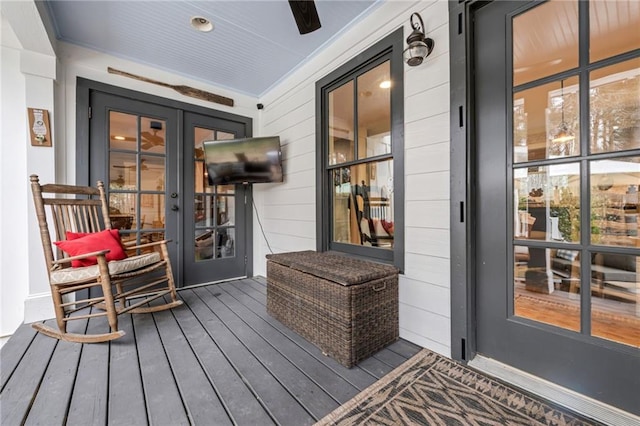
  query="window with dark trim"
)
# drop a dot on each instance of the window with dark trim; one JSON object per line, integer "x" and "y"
{"x": 360, "y": 155}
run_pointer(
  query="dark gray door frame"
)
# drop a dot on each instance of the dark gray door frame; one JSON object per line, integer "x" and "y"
{"x": 84, "y": 87}
{"x": 463, "y": 338}
{"x": 614, "y": 385}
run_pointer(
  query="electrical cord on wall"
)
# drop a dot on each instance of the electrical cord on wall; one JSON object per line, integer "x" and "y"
{"x": 260, "y": 223}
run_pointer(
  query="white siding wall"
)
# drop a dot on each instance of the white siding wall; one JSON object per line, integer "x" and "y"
{"x": 288, "y": 210}
{"x": 28, "y": 72}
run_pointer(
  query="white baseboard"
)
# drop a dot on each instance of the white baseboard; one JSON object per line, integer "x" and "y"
{"x": 562, "y": 396}
{"x": 38, "y": 307}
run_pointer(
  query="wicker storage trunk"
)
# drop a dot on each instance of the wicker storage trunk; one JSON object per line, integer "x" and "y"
{"x": 346, "y": 307}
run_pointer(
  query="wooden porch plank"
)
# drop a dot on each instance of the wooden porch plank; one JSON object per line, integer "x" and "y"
{"x": 127, "y": 405}
{"x": 335, "y": 386}
{"x": 307, "y": 392}
{"x": 242, "y": 404}
{"x": 257, "y": 283}
{"x": 164, "y": 402}
{"x": 404, "y": 348}
{"x": 199, "y": 397}
{"x": 389, "y": 357}
{"x": 89, "y": 398}
{"x": 18, "y": 393}
{"x": 13, "y": 351}
{"x": 278, "y": 401}
{"x": 375, "y": 367}
{"x": 355, "y": 375}
{"x": 54, "y": 393}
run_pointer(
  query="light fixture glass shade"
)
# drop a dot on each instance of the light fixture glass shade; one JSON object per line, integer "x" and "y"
{"x": 415, "y": 53}
{"x": 563, "y": 135}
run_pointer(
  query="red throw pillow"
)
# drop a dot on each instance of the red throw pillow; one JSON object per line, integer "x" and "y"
{"x": 75, "y": 235}
{"x": 114, "y": 233}
{"x": 80, "y": 244}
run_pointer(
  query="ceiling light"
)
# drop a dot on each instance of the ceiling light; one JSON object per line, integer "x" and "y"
{"x": 201, "y": 24}
{"x": 385, "y": 84}
{"x": 420, "y": 46}
{"x": 119, "y": 138}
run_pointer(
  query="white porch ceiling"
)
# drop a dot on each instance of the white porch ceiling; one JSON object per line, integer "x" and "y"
{"x": 253, "y": 46}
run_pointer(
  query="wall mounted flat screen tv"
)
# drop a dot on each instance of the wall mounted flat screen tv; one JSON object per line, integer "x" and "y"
{"x": 249, "y": 160}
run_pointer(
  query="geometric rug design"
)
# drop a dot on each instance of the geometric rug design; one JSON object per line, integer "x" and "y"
{"x": 429, "y": 389}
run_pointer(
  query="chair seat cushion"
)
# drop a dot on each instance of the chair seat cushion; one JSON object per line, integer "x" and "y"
{"x": 72, "y": 275}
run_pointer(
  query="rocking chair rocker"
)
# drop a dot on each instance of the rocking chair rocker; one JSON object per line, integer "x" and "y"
{"x": 145, "y": 275}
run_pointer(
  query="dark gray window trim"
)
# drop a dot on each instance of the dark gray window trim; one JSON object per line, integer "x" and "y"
{"x": 390, "y": 45}
{"x": 84, "y": 87}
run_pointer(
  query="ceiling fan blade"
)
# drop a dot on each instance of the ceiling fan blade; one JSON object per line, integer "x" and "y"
{"x": 152, "y": 138}
{"x": 306, "y": 15}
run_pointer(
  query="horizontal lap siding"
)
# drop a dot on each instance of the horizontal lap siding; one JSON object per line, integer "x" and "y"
{"x": 288, "y": 210}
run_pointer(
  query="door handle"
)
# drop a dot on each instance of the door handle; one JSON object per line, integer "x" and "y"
{"x": 175, "y": 208}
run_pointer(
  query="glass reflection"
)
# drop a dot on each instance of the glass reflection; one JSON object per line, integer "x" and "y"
{"x": 614, "y": 201}
{"x": 547, "y": 203}
{"x": 614, "y": 99}
{"x": 363, "y": 204}
{"x": 122, "y": 209}
{"x": 152, "y": 173}
{"x": 203, "y": 208}
{"x": 214, "y": 244}
{"x": 537, "y": 51}
{"x": 341, "y": 127}
{"x": 615, "y": 303}
{"x": 204, "y": 244}
{"x": 545, "y": 121}
{"x": 374, "y": 112}
{"x": 225, "y": 210}
{"x": 613, "y": 28}
{"x": 225, "y": 243}
{"x": 123, "y": 131}
{"x": 547, "y": 285}
{"x": 123, "y": 170}
{"x": 153, "y": 135}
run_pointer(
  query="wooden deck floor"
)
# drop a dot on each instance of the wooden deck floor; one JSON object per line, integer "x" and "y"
{"x": 217, "y": 360}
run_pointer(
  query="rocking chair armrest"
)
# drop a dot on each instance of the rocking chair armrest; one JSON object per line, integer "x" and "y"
{"x": 80, "y": 256}
{"x": 146, "y": 245}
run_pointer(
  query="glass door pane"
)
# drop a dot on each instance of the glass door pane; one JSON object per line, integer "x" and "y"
{"x": 137, "y": 172}
{"x": 214, "y": 207}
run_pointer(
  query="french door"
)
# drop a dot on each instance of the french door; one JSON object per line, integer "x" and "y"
{"x": 557, "y": 167}
{"x": 150, "y": 157}
{"x": 217, "y": 227}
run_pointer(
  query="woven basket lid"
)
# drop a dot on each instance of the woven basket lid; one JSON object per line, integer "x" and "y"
{"x": 339, "y": 269}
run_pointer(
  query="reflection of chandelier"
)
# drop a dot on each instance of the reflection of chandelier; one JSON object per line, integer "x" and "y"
{"x": 563, "y": 134}
{"x": 605, "y": 182}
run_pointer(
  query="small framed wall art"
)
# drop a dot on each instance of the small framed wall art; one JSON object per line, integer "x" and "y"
{"x": 39, "y": 128}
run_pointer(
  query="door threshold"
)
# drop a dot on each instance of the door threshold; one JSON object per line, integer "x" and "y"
{"x": 189, "y": 287}
{"x": 568, "y": 398}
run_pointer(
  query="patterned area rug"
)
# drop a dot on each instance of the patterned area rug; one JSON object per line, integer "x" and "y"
{"x": 430, "y": 389}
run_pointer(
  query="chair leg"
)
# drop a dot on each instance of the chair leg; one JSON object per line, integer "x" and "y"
{"x": 59, "y": 310}
{"x": 122, "y": 300}
{"x": 170, "y": 283}
{"x": 105, "y": 282}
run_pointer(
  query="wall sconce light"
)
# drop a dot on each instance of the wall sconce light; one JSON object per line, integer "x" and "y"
{"x": 420, "y": 46}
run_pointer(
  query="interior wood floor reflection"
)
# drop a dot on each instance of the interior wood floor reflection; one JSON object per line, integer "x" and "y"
{"x": 611, "y": 319}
